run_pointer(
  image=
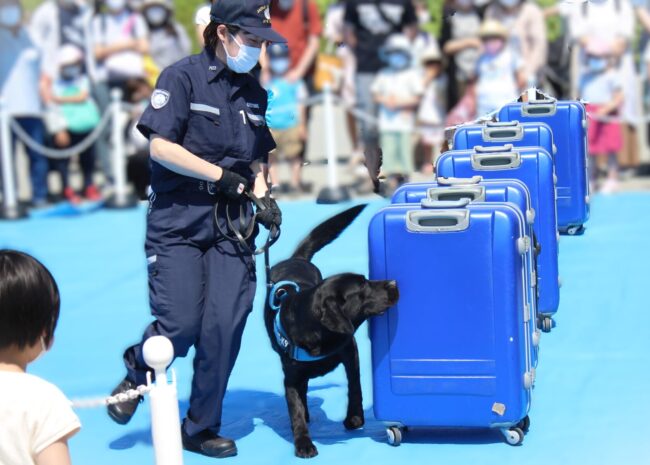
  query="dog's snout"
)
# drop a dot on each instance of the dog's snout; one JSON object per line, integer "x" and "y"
{"x": 392, "y": 291}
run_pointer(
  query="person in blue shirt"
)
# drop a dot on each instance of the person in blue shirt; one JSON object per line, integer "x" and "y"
{"x": 286, "y": 116}
{"x": 21, "y": 70}
{"x": 209, "y": 146}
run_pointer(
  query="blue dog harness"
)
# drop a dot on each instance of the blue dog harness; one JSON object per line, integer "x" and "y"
{"x": 276, "y": 297}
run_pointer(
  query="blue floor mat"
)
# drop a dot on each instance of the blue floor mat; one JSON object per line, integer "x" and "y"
{"x": 590, "y": 404}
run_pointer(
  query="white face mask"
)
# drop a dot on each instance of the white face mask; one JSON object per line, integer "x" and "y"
{"x": 245, "y": 60}
{"x": 44, "y": 350}
{"x": 10, "y": 15}
{"x": 279, "y": 65}
{"x": 156, "y": 15}
{"x": 116, "y": 5}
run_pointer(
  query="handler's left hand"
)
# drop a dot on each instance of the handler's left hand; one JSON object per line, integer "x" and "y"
{"x": 271, "y": 215}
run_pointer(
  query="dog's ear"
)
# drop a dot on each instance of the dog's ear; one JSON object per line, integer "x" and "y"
{"x": 334, "y": 318}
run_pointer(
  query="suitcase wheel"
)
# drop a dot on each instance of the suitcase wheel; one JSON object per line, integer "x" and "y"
{"x": 394, "y": 435}
{"x": 524, "y": 424}
{"x": 514, "y": 436}
{"x": 546, "y": 324}
{"x": 576, "y": 230}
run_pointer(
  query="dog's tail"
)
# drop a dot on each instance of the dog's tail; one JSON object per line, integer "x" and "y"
{"x": 326, "y": 232}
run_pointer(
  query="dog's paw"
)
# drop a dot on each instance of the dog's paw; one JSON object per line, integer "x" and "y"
{"x": 305, "y": 449}
{"x": 354, "y": 422}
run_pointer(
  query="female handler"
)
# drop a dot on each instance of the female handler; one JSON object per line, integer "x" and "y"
{"x": 209, "y": 145}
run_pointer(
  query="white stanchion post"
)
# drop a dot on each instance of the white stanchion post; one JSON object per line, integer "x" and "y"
{"x": 10, "y": 208}
{"x": 121, "y": 197}
{"x": 333, "y": 193}
{"x": 158, "y": 353}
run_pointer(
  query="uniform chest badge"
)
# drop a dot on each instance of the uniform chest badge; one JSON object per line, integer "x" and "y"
{"x": 160, "y": 98}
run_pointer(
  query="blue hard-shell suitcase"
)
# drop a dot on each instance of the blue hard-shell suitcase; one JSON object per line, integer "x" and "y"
{"x": 477, "y": 189}
{"x": 453, "y": 351}
{"x": 568, "y": 121}
{"x": 534, "y": 167}
{"x": 502, "y": 133}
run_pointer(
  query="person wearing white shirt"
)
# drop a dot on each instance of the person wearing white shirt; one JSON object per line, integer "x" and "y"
{"x": 37, "y": 419}
{"x": 397, "y": 90}
{"x": 121, "y": 41}
{"x": 201, "y": 20}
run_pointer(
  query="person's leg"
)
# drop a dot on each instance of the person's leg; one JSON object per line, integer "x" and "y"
{"x": 38, "y": 164}
{"x": 229, "y": 295}
{"x": 176, "y": 286}
{"x": 86, "y": 160}
{"x": 102, "y": 96}
{"x": 365, "y": 103}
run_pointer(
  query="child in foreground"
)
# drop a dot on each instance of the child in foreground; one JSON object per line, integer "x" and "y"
{"x": 37, "y": 419}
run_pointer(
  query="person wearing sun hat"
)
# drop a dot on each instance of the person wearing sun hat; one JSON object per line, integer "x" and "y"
{"x": 209, "y": 146}
{"x": 500, "y": 69}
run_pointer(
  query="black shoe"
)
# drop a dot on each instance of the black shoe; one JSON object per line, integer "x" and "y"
{"x": 209, "y": 444}
{"x": 123, "y": 412}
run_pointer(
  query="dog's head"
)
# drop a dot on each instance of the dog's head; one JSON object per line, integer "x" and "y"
{"x": 345, "y": 301}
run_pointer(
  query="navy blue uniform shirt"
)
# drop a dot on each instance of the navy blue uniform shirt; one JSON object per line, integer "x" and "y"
{"x": 214, "y": 113}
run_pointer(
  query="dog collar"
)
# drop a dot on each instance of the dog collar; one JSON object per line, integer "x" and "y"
{"x": 276, "y": 297}
{"x": 279, "y": 293}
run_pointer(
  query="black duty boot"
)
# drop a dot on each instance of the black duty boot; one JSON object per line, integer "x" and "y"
{"x": 123, "y": 412}
{"x": 209, "y": 444}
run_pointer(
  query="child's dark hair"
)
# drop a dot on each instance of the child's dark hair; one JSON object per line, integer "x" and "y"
{"x": 210, "y": 37}
{"x": 29, "y": 301}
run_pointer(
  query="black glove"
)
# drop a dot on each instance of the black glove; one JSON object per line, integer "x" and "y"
{"x": 271, "y": 215}
{"x": 231, "y": 185}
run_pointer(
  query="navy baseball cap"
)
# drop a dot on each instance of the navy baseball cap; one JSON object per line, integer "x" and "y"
{"x": 253, "y": 16}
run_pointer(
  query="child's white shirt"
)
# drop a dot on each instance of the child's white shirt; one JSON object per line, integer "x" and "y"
{"x": 34, "y": 415}
{"x": 403, "y": 84}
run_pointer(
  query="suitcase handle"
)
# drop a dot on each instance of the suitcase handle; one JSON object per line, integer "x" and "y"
{"x": 504, "y": 130}
{"x": 507, "y": 148}
{"x": 459, "y": 181}
{"x": 501, "y": 124}
{"x": 437, "y": 221}
{"x": 546, "y": 107}
{"x": 455, "y": 193}
{"x": 496, "y": 161}
{"x": 438, "y": 204}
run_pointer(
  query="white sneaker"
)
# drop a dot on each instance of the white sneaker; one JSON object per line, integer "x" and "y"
{"x": 609, "y": 186}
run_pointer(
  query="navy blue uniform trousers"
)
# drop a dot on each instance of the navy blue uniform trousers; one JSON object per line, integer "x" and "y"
{"x": 201, "y": 291}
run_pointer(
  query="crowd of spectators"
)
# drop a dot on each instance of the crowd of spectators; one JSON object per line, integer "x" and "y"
{"x": 60, "y": 62}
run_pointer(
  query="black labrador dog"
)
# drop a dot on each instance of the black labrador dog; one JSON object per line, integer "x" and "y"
{"x": 311, "y": 324}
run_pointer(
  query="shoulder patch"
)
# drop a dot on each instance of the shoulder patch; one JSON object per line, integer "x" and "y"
{"x": 160, "y": 98}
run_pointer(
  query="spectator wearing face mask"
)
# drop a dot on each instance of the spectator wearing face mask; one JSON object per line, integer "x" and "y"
{"x": 431, "y": 112}
{"x": 459, "y": 40}
{"x": 20, "y": 79}
{"x": 120, "y": 38}
{"x": 397, "y": 90}
{"x": 168, "y": 40}
{"x": 71, "y": 93}
{"x": 525, "y": 21}
{"x": 57, "y": 23}
{"x": 500, "y": 70}
{"x": 299, "y": 21}
{"x": 368, "y": 24}
{"x": 613, "y": 23}
{"x": 286, "y": 117}
{"x": 601, "y": 86}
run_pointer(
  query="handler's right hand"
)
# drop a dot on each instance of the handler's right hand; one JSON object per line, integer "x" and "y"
{"x": 232, "y": 185}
